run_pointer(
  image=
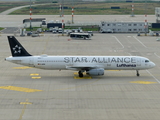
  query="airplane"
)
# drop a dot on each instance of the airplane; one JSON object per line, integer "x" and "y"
{"x": 92, "y": 65}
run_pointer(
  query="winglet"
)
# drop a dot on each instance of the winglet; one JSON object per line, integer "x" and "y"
{"x": 17, "y": 49}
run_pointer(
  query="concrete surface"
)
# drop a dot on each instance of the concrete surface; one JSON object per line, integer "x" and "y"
{"x": 17, "y": 20}
{"x": 34, "y": 94}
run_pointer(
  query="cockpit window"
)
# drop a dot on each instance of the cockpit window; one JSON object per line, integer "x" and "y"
{"x": 146, "y": 60}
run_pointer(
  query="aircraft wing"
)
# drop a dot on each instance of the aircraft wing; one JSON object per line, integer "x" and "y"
{"x": 80, "y": 67}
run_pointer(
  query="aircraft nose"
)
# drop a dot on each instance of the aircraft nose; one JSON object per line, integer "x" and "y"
{"x": 153, "y": 64}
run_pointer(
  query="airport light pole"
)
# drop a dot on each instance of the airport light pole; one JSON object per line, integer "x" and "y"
{"x": 62, "y": 18}
{"x": 157, "y": 14}
{"x": 60, "y": 10}
{"x": 72, "y": 11}
{"x": 145, "y": 18}
{"x": 30, "y": 16}
{"x": 132, "y": 15}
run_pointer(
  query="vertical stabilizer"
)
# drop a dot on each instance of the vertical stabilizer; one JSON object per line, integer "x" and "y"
{"x": 17, "y": 49}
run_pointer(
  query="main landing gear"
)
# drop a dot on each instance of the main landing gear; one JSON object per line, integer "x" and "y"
{"x": 138, "y": 73}
{"x": 80, "y": 74}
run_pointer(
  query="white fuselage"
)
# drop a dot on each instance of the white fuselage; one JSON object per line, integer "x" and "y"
{"x": 78, "y": 62}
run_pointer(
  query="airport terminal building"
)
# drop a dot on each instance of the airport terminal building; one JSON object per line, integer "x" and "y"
{"x": 123, "y": 27}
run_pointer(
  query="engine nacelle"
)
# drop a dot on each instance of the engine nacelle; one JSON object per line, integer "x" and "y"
{"x": 96, "y": 72}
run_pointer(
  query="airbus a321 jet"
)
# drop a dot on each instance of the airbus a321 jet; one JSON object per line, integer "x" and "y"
{"x": 92, "y": 65}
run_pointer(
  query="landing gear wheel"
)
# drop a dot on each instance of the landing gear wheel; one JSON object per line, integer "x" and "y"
{"x": 80, "y": 74}
{"x": 138, "y": 73}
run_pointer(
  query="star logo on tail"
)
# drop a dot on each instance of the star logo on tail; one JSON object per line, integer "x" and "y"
{"x": 17, "y": 49}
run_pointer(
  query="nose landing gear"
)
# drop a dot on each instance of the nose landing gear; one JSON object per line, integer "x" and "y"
{"x": 137, "y": 73}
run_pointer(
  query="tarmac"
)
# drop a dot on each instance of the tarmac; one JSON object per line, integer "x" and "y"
{"x": 17, "y": 20}
{"x": 35, "y": 94}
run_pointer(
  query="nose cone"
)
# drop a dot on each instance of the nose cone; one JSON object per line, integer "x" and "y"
{"x": 153, "y": 64}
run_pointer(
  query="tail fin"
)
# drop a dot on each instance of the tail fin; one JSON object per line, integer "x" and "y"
{"x": 17, "y": 49}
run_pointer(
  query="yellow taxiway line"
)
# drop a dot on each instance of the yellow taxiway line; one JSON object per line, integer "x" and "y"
{"x": 35, "y": 76}
{"x": 21, "y": 89}
{"x": 24, "y": 67}
{"x": 25, "y": 103}
{"x": 84, "y": 77}
{"x": 143, "y": 82}
{"x": 24, "y": 108}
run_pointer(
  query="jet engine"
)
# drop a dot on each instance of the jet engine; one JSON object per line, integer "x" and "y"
{"x": 96, "y": 72}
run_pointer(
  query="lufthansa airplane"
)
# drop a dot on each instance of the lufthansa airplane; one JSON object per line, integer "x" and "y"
{"x": 92, "y": 65}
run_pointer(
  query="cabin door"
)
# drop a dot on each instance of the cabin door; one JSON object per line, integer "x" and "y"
{"x": 138, "y": 61}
